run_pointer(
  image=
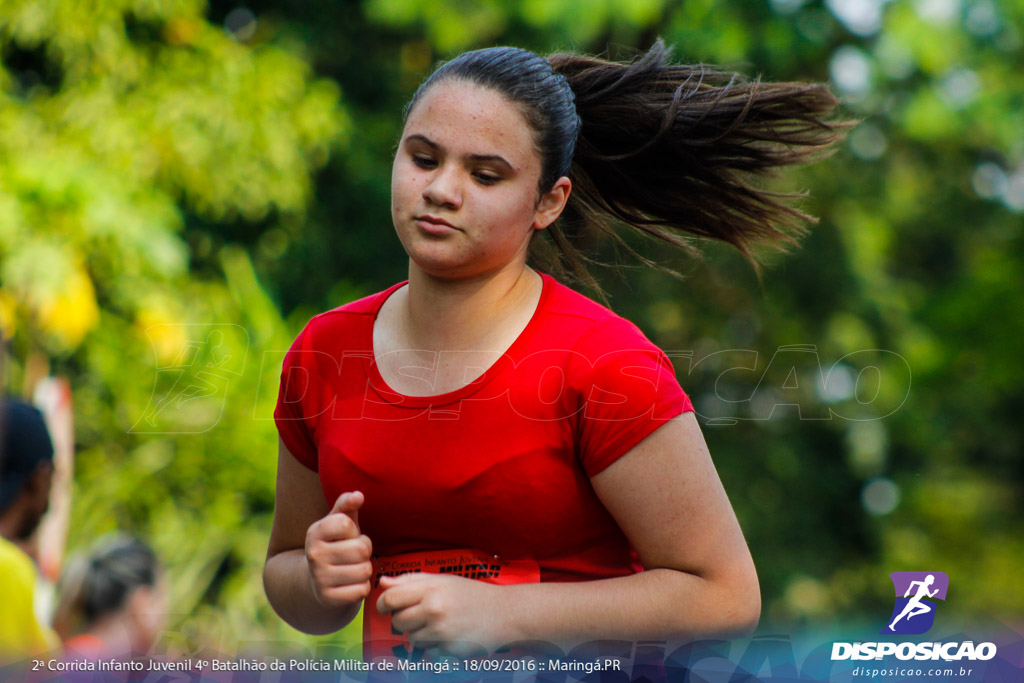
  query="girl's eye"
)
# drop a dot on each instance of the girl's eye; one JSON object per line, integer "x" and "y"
{"x": 424, "y": 162}
{"x": 486, "y": 178}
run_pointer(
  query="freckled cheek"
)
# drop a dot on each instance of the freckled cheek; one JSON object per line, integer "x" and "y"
{"x": 404, "y": 173}
{"x": 509, "y": 221}
{"x": 406, "y": 193}
{"x": 525, "y": 209}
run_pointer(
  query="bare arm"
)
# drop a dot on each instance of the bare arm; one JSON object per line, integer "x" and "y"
{"x": 700, "y": 579}
{"x": 53, "y": 395}
{"x": 318, "y": 564}
{"x": 666, "y": 496}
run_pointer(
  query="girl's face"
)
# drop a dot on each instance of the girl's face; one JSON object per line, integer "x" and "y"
{"x": 147, "y": 613}
{"x": 464, "y": 196}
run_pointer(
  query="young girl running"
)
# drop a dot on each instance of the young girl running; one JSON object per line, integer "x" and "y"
{"x": 488, "y": 455}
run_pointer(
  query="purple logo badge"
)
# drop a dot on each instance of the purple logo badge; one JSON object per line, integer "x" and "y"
{"x": 914, "y": 613}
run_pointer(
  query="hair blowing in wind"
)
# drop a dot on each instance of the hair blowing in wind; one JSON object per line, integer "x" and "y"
{"x": 671, "y": 150}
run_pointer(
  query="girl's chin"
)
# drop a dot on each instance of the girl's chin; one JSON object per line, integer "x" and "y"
{"x": 446, "y": 261}
{"x": 447, "y": 269}
{"x": 437, "y": 266}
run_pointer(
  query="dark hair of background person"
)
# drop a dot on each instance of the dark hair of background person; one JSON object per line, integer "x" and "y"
{"x": 100, "y": 583}
{"x": 669, "y": 150}
{"x": 25, "y": 446}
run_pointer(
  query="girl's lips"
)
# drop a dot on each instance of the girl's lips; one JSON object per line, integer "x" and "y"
{"x": 434, "y": 226}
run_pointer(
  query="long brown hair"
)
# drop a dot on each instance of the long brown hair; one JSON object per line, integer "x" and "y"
{"x": 669, "y": 150}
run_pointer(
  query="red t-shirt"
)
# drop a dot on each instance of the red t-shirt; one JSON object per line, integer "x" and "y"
{"x": 501, "y": 465}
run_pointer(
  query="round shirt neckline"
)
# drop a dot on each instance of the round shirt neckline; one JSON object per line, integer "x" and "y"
{"x": 499, "y": 366}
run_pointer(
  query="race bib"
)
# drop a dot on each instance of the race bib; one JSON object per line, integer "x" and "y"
{"x": 381, "y": 640}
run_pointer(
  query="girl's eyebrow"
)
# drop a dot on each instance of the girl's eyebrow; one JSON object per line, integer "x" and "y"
{"x": 418, "y": 137}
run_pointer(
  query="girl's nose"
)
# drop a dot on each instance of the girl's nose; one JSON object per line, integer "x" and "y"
{"x": 443, "y": 189}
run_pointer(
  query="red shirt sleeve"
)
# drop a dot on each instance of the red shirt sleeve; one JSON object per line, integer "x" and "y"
{"x": 296, "y": 411}
{"x": 629, "y": 389}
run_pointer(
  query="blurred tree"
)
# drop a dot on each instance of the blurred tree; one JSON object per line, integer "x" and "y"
{"x": 121, "y": 125}
{"x": 156, "y": 165}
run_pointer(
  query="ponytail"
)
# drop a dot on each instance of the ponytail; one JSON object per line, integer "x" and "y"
{"x": 669, "y": 150}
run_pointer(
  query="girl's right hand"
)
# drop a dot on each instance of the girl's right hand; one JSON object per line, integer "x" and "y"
{"x": 339, "y": 555}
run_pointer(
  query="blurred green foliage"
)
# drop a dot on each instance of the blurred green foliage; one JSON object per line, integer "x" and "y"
{"x": 182, "y": 185}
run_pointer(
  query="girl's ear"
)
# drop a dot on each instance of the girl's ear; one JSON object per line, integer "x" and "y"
{"x": 552, "y": 203}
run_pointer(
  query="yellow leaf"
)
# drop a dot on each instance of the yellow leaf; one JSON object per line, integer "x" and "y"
{"x": 69, "y": 315}
{"x": 8, "y": 306}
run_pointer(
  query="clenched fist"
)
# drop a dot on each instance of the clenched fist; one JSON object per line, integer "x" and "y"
{"x": 339, "y": 555}
{"x": 451, "y": 614}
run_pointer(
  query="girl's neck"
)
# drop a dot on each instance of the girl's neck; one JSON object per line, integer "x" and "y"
{"x": 468, "y": 313}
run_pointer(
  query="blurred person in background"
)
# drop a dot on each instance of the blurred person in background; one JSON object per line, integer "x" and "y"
{"x": 26, "y": 477}
{"x": 111, "y": 600}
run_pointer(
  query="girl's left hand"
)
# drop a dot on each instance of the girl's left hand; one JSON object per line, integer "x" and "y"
{"x": 454, "y": 614}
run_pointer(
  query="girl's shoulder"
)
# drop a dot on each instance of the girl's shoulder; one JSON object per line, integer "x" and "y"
{"x": 367, "y": 305}
{"x": 348, "y": 319}
{"x": 594, "y": 327}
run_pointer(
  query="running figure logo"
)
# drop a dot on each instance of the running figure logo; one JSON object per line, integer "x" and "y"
{"x": 913, "y": 613}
